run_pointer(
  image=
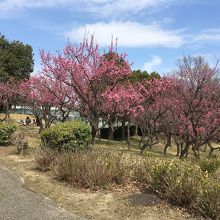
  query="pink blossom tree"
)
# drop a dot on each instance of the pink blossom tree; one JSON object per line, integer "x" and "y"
{"x": 88, "y": 73}
{"x": 47, "y": 98}
{"x": 195, "y": 104}
{"x": 123, "y": 102}
{"x": 151, "y": 120}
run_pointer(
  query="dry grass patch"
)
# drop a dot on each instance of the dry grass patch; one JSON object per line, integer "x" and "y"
{"x": 90, "y": 170}
{"x": 16, "y": 117}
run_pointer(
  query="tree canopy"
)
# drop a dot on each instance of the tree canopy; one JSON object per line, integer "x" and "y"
{"x": 16, "y": 59}
{"x": 139, "y": 76}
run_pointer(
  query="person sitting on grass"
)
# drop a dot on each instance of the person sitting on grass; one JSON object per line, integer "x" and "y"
{"x": 28, "y": 121}
{"x": 34, "y": 122}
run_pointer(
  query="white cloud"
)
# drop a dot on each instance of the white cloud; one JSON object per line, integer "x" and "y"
{"x": 97, "y": 7}
{"x": 129, "y": 34}
{"x": 152, "y": 64}
{"x": 208, "y": 35}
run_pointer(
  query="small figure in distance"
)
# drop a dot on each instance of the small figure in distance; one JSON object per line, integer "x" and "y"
{"x": 27, "y": 121}
{"x": 38, "y": 122}
{"x": 34, "y": 122}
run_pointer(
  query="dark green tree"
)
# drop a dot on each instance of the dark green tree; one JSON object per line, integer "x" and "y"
{"x": 16, "y": 60}
{"x": 155, "y": 75}
{"x": 139, "y": 76}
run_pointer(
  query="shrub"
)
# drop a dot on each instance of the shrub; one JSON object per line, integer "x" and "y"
{"x": 184, "y": 183}
{"x": 69, "y": 135}
{"x": 44, "y": 158}
{"x": 95, "y": 170}
{"x": 210, "y": 165}
{"x": 20, "y": 141}
{"x": 140, "y": 173}
{"x": 178, "y": 181}
{"x": 6, "y": 130}
{"x": 209, "y": 201}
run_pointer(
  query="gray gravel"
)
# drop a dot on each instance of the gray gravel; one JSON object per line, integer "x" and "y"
{"x": 18, "y": 203}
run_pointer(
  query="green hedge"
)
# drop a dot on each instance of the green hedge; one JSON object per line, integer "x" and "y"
{"x": 68, "y": 135}
{"x": 6, "y": 130}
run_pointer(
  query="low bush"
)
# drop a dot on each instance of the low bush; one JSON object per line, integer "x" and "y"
{"x": 209, "y": 165}
{"x": 95, "y": 170}
{"x": 45, "y": 158}
{"x": 140, "y": 173}
{"x": 6, "y": 130}
{"x": 71, "y": 135}
{"x": 209, "y": 201}
{"x": 178, "y": 181}
{"x": 184, "y": 182}
{"x": 19, "y": 140}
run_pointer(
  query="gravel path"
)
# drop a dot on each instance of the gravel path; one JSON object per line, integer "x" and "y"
{"x": 18, "y": 203}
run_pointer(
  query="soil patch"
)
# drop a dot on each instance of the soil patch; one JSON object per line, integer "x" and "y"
{"x": 145, "y": 199}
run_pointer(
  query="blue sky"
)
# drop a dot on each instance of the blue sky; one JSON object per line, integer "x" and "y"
{"x": 154, "y": 33}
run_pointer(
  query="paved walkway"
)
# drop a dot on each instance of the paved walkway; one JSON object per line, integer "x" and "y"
{"x": 18, "y": 203}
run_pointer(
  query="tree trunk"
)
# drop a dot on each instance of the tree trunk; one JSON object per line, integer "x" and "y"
{"x": 168, "y": 144}
{"x": 40, "y": 120}
{"x": 95, "y": 127}
{"x": 177, "y": 150}
{"x": 144, "y": 146}
{"x": 7, "y": 115}
{"x": 94, "y": 130}
{"x": 110, "y": 131}
{"x": 123, "y": 130}
{"x": 178, "y": 145}
{"x": 142, "y": 140}
{"x": 184, "y": 152}
{"x": 136, "y": 130}
{"x": 165, "y": 149}
{"x": 128, "y": 136}
{"x": 195, "y": 149}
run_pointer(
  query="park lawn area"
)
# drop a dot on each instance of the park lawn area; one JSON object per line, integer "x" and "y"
{"x": 157, "y": 150}
{"x": 126, "y": 202}
{"x": 16, "y": 117}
